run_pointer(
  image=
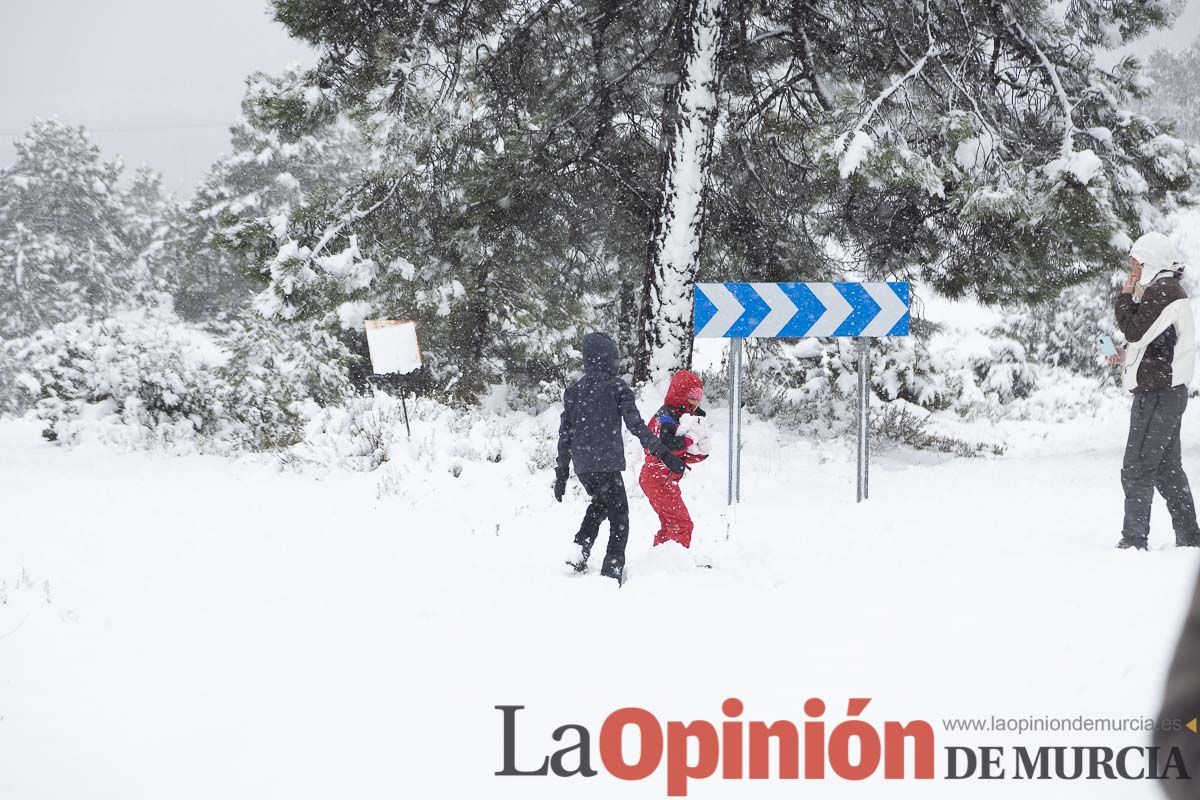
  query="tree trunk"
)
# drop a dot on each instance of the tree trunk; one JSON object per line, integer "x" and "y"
{"x": 627, "y": 330}
{"x": 675, "y": 245}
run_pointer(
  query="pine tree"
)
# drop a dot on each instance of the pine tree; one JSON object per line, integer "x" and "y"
{"x": 290, "y": 158}
{"x": 1173, "y": 97}
{"x": 66, "y": 244}
{"x": 974, "y": 146}
{"x": 148, "y": 216}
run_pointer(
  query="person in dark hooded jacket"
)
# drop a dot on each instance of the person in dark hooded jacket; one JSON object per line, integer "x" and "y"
{"x": 589, "y": 435}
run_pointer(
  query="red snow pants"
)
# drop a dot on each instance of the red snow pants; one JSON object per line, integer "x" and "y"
{"x": 662, "y": 490}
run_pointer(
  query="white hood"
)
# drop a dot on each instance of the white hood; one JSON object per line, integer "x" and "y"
{"x": 1157, "y": 254}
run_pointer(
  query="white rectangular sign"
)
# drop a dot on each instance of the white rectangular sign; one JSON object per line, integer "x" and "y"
{"x": 393, "y": 346}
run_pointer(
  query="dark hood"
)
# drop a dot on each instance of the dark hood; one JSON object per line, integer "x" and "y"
{"x": 599, "y": 354}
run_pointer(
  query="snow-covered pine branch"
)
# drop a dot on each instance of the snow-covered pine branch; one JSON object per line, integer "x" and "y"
{"x": 853, "y": 145}
{"x": 1064, "y": 101}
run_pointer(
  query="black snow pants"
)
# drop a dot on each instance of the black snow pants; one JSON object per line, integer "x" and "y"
{"x": 607, "y": 491}
{"x": 1153, "y": 461}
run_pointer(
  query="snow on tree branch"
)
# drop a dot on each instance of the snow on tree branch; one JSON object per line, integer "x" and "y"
{"x": 1065, "y": 101}
{"x": 852, "y": 147}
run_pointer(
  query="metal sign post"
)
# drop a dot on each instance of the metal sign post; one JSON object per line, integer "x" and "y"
{"x": 740, "y": 311}
{"x": 864, "y": 410}
{"x": 735, "y": 421}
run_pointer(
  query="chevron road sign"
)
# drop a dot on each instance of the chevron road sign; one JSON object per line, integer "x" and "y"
{"x": 796, "y": 310}
{"x": 738, "y": 311}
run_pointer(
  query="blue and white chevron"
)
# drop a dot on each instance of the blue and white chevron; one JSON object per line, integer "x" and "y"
{"x": 796, "y": 310}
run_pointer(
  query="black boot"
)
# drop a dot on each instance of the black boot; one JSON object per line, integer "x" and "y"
{"x": 578, "y": 557}
{"x": 1131, "y": 544}
{"x": 612, "y": 569}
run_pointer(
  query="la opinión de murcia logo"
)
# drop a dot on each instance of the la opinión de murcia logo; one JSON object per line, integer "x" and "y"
{"x": 732, "y": 748}
{"x": 853, "y": 749}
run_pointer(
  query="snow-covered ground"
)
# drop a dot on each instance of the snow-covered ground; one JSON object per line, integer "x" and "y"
{"x": 198, "y": 627}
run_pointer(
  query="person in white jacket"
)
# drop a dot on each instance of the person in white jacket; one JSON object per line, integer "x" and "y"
{"x": 1158, "y": 363}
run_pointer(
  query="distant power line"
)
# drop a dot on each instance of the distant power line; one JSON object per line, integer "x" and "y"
{"x": 146, "y": 127}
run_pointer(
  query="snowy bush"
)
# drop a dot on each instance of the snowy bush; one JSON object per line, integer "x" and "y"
{"x": 357, "y": 435}
{"x": 1063, "y": 333}
{"x": 278, "y": 376}
{"x": 544, "y": 453}
{"x": 143, "y": 378}
{"x": 368, "y": 433}
{"x": 973, "y": 373}
{"x": 812, "y": 386}
{"x": 900, "y": 422}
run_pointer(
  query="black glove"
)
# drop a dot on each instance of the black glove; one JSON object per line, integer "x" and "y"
{"x": 672, "y": 462}
{"x": 560, "y": 484}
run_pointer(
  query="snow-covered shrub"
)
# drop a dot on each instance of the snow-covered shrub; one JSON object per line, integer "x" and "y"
{"x": 1063, "y": 333}
{"x": 976, "y": 373}
{"x": 812, "y": 385}
{"x": 145, "y": 379}
{"x": 544, "y": 453}
{"x": 358, "y": 434}
{"x": 277, "y": 377}
{"x": 368, "y": 433}
{"x": 900, "y": 422}
{"x": 393, "y": 480}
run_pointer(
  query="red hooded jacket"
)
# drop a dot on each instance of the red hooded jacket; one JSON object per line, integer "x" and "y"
{"x": 665, "y": 422}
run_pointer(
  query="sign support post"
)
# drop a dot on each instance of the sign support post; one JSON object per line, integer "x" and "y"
{"x": 404, "y": 406}
{"x": 864, "y": 420}
{"x": 735, "y": 421}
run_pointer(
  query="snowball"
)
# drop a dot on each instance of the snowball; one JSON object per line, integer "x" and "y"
{"x": 693, "y": 428}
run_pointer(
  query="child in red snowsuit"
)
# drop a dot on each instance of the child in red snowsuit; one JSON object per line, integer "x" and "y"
{"x": 659, "y": 483}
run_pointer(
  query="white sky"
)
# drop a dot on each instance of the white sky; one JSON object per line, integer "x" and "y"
{"x": 160, "y": 81}
{"x": 156, "y": 81}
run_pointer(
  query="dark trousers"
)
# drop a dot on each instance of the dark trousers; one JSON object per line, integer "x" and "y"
{"x": 607, "y": 491}
{"x": 1153, "y": 461}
